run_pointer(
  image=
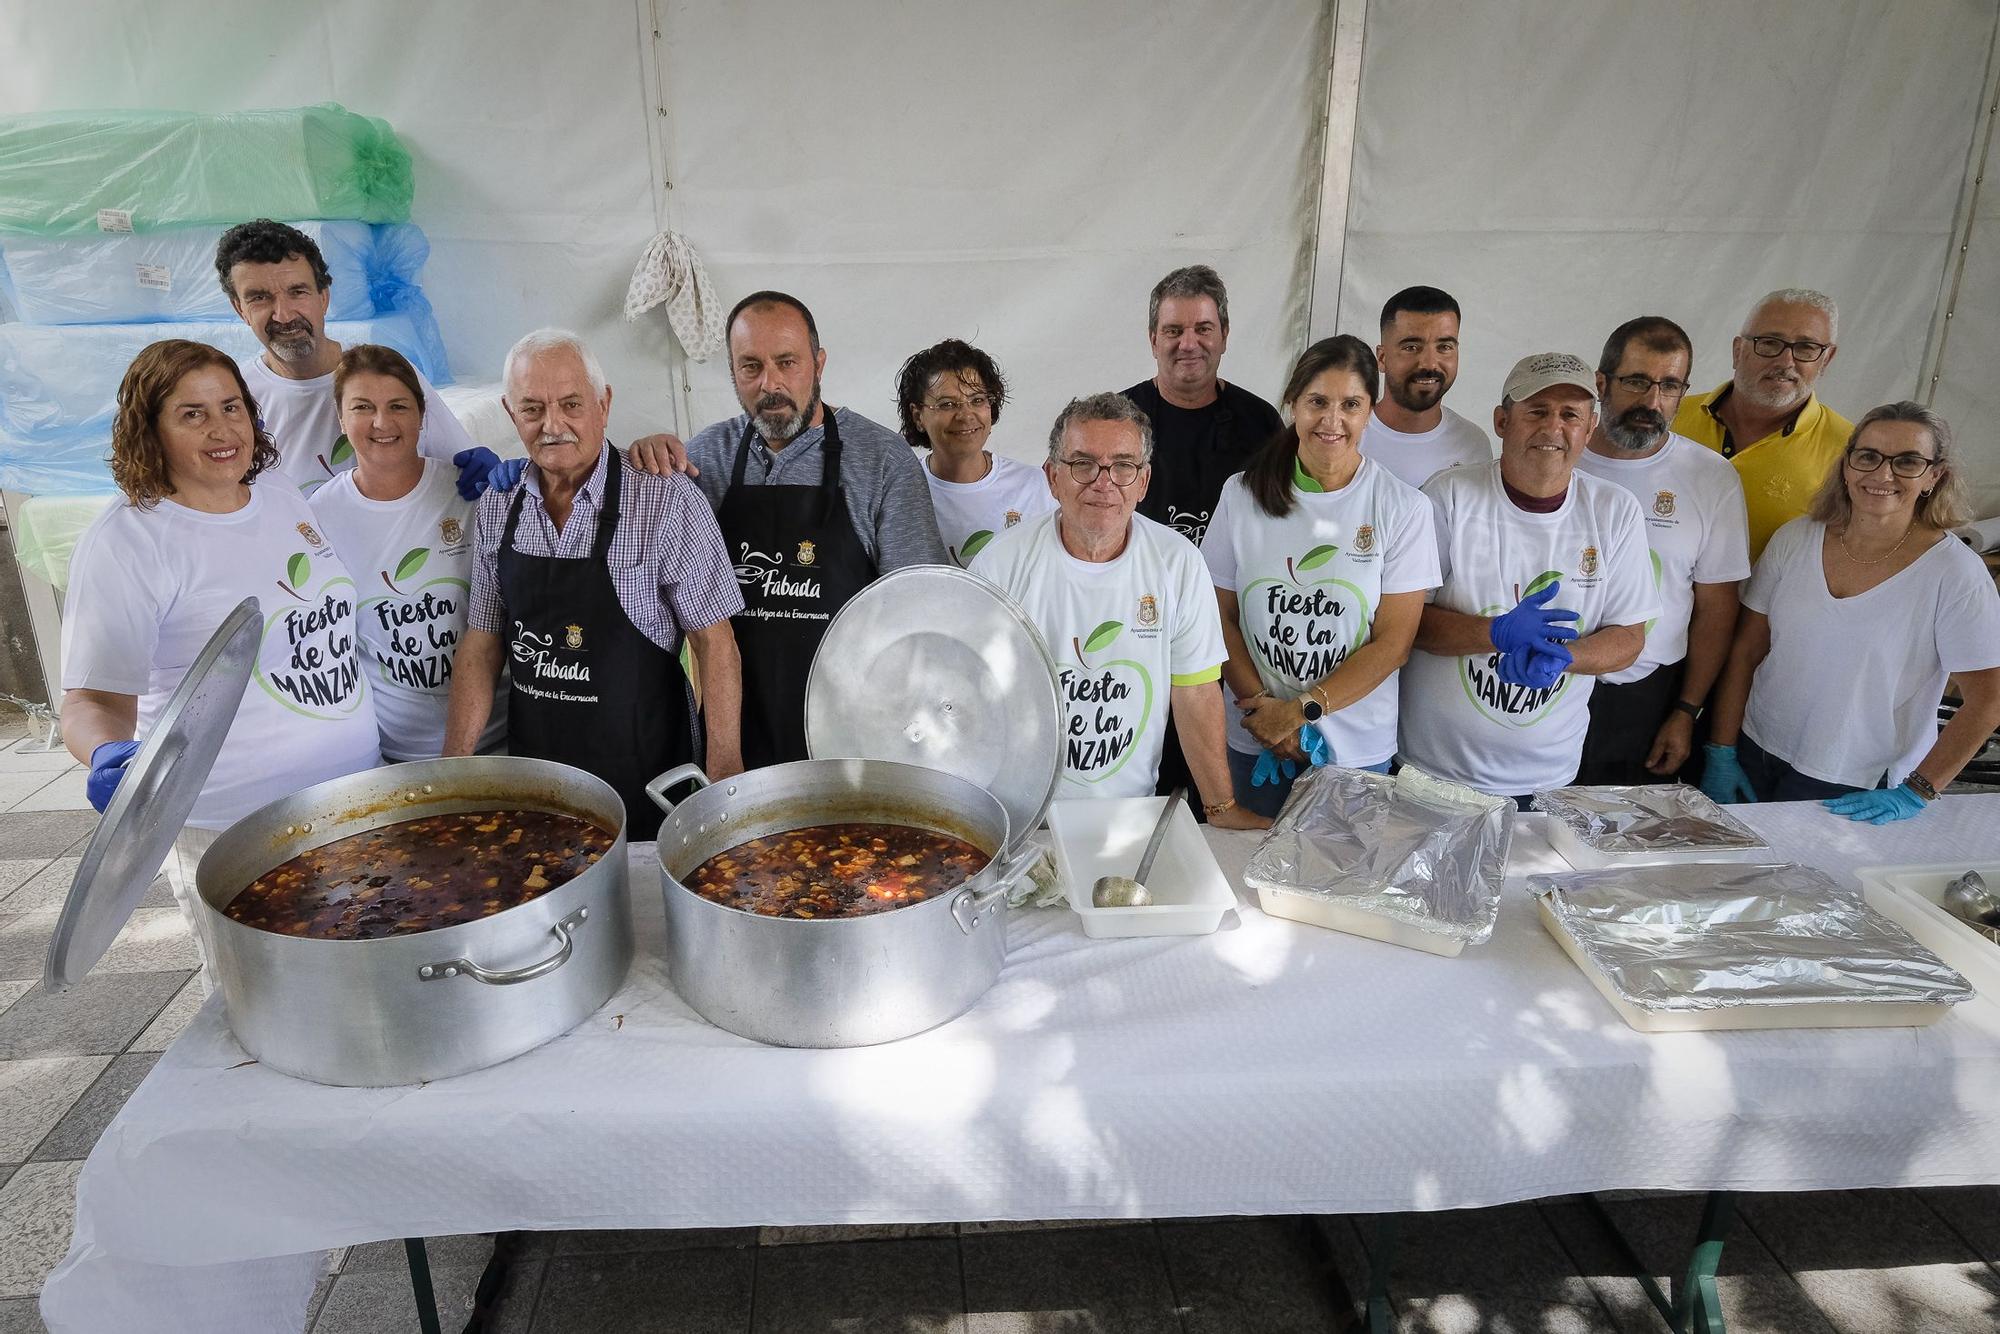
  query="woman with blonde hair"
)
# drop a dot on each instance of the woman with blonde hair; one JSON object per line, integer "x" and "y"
{"x": 1853, "y": 620}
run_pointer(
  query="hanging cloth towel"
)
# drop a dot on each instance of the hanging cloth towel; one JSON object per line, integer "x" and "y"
{"x": 670, "y": 271}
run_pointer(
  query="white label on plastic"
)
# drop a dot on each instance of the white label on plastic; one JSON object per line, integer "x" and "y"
{"x": 114, "y": 220}
{"x": 156, "y": 276}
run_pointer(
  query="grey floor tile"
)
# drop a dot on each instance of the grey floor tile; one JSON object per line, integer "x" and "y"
{"x": 45, "y": 890}
{"x": 1758, "y": 1296}
{"x": 1249, "y": 1276}
{"x": 36, "y": 1094}
{"x": 623, "y": 1241}
{"x": 159, "y": 895}
{"x": 1971, "y": 1211}
{"x": 76, "y": 1134}
{"x": 153, "y": 940}
{"x": 1508, "y": 1252}
{"x": 1083, "y": 1281}
{"x": 167, "y": 1025}
{"x": 37, "y": 1207}
{"x": 1497, "y": 1313}
{"x": 16, "y": 872}
{"x": 11, "y": 991}
{"x": 19, "y": 787}
{"x": 7, "y": 1170}
{"x": 381, "y": 1300}
{"x": 471, "y": 1248}
{"x": 807, "y": 1236}
{"x": 689, "y": 1292}
{"x": 512, "y": 1310}
{"x": 1046, "y": 1225}
{"x": 44, "y": 833}
{"x": 21, "y": 1315}
{"x": 24, "y": 945}
{"x": 1878, "y": 1260}
{"x": 97, "y": 1017}
{"x": 861, "y": 1287}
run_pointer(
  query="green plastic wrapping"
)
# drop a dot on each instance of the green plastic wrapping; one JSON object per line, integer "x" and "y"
{"x": 151, "y": 169}
{"x": 46, "y": 529}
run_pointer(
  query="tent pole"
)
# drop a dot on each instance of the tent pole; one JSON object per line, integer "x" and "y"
{"x": 1345, "y": 35}
{"x": 659, "y": 144}
{"x": 1978, "y": 161}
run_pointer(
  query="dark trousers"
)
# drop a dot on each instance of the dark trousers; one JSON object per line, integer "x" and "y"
{"x": 1777, "y": 780}
{"x": 1624, "y": 719}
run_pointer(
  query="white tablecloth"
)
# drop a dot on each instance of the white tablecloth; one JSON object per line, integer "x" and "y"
{"x": 1268, "y": 1068}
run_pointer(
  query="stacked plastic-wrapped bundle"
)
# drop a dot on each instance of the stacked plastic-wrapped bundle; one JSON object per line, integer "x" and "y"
{"x": 108, "y": 229}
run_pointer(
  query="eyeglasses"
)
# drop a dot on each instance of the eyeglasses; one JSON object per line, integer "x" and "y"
{"x": 1770, "y": 345}
{"x": 950, "y": 406}
{"x": 1085, "y": 472}
{"x": 1642, "y": 385}
{"x": 1911, "y": 464}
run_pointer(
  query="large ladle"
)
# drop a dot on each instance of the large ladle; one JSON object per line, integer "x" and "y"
{"x": 1126, "y": 891}
{"x": 1970, "y": 901}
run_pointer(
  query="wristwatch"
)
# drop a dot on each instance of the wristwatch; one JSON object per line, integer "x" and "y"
{"x": 1311, "y": 708}
{"x": 1693, "y": 711}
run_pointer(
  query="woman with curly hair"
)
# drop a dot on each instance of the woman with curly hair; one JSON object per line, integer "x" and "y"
{"x": 155, "y": 576}
{"x": 950, "y": 396}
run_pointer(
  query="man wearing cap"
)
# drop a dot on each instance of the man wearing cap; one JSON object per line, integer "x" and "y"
{"x": 1767, "y": 419}
{"x": 1547, "y": 585}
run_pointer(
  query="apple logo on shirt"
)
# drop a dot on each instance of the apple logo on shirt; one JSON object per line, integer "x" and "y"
{"x": 307, "y": 660}
{"x": 1105, "y": 707}
{"x": 1294, "y": 624}
{"x": 1502, "y": 701}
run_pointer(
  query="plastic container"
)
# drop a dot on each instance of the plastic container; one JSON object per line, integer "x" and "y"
{"x": 1108, "y": 836}
{"x": 1910, "y": 895}
{"x": 1314, "y": 910}
{"x": 1572, "y": 849}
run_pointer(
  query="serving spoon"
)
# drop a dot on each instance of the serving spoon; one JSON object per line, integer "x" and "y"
{"x": 1127, "y": 891}
{"x": 1968, "y": 899}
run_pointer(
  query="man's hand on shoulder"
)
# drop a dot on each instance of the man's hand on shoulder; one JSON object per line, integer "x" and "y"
{"x": 662, "y": 455}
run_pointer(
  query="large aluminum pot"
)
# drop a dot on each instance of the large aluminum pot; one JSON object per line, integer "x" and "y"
{"x": 838, "y": 982}
{"x": 406, "y": 1008}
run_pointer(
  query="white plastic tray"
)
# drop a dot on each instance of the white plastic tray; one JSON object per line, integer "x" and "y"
{"x": 1571, "y": 847}
{"x": 1910, "y": 895}
{"x": 1314, "y": 910}
{"x": 1108, "y": 836}
{"x": 1827, "y": 1014}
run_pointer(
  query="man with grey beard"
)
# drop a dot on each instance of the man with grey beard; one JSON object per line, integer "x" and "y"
{"x": 814, "y": 501}
{"x": 1642, "y": 718}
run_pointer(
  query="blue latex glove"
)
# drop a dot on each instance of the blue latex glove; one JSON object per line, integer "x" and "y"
{"x": 107, "y": 766}
{"x": 1884, "y": 805}
{"x": 1314, "y": 743}
{"x": 480, "y": 470}
{"x": 1532, "y": 625}
{"x": 1722, "y": 778}
{"x": 1538, "y": 668}
{"x": 1267, "y": 771}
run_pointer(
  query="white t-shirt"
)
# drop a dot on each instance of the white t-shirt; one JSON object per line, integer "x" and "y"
{"x": 149, "y": 587}
{"x": 1453, "y": 442}
{"x": 1307, "y": 587}
{"x": 413, "y": 563}
{"x": 1696, "y": 527}
{"x": 1459, "y": 719}
{"x": 969, "y": 514}
{"x": 302, "y": 419}
{"x": 1851, "y": 687}
{"x": 1123, "y": 633}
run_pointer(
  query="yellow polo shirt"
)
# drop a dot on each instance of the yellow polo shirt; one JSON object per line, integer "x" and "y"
{"x": 1781, "y": 472}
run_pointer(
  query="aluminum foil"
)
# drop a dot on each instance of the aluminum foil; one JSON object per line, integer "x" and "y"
{"x": 1654, "y": 818}
{"x": 1705, "y": 936}
{"x": 1414, "y": 848}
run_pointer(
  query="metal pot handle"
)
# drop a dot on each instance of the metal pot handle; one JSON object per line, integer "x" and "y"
{"x": 971, "y": 907}
{"x": 564, "y": 931}
{"x": 674, "y": 777}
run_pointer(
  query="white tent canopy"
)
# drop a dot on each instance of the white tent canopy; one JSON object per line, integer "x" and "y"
{"x": 1020, "y": 176}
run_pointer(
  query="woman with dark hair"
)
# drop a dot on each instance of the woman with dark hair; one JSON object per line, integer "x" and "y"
{"x": 399, "y": 522}
{"x": 1321, "y": 559}
{"x": 950, "y": 396}
{"x": 154, "y": 577}
{"x": 1855, "y": 616}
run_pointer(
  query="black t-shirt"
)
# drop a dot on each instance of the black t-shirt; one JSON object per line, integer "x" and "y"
{"x": 1196, "y": 450}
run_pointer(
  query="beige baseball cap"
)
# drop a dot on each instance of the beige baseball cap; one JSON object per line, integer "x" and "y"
{"x": 1543, "y": 370}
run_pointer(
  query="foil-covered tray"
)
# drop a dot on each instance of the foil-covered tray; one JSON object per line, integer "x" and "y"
{"x": 1715, "y": 936}
{"x": 1413, "y": 849}
{"x": 1648, "y": 820}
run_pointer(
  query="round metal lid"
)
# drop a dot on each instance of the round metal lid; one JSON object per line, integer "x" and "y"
{"x": 153, "y": 799}
{"x": 933, "y": 666}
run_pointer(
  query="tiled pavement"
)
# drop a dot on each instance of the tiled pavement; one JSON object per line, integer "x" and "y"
{"x": 1830, "y": 1263}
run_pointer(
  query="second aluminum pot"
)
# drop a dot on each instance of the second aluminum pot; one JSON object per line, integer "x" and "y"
{"x": 845, "y": 981}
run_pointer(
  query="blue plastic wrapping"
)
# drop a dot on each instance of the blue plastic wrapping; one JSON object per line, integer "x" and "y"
{"x": 169, "y": 276}
{"x": 59, "y": 384}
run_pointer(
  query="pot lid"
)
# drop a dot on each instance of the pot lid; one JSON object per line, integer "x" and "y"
{"x": 153, "y": 799}
{"x": 933, "y": 666}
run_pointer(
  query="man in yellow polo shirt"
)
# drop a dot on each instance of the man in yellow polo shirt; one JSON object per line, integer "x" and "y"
{"x": 1767, "y": 420}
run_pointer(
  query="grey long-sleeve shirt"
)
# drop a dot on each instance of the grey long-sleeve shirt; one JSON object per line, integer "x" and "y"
{"x": 887, "y": 500}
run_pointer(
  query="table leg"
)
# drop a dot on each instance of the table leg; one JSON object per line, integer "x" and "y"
{"x": 420, "y": 1285}
{"x": 1381, "y": 1320}
{"x": 1693, "y": 1307}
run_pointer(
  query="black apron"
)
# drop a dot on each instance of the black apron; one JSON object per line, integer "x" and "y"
{"x": 588, "y": 687}
{"x": 798, "y": 561}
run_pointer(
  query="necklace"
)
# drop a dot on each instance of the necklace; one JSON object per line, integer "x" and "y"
{"x": 1842, "y": 538}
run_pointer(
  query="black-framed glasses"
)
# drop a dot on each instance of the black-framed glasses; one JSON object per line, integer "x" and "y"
{"x": 1911, "y": 464}
{"x": 950, "y": 406}
{"x": 1642, "y": 385}
{"x": 1770, "y": 345}
{"x": 1085, "y": 472}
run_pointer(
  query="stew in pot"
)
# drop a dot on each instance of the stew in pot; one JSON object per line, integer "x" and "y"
{"x": 837, "y": 870}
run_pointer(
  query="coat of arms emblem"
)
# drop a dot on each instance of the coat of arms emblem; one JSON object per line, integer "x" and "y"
{"x": 572, "y": 636}
{"x": 1588, "y": 565}
{"x": 806, "y": 553}
{"x": 1663, "y": 504}
{"x": 311, "y": 535}
{"x": 450, "y": 531}
{"x": 1149, "y": 610}
{"x": 1364, "y": 538}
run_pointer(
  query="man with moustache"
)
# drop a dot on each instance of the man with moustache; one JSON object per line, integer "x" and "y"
{"x": 1411, "y": 432}
{"x": 1767, "y": 419}
{"x": 814, "y": 501}
{"x": 586, "y": 579}
{"x": 1642, "y": 718}
{"x": 1547, "y": 586}
{"x": 278, "y": 283}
